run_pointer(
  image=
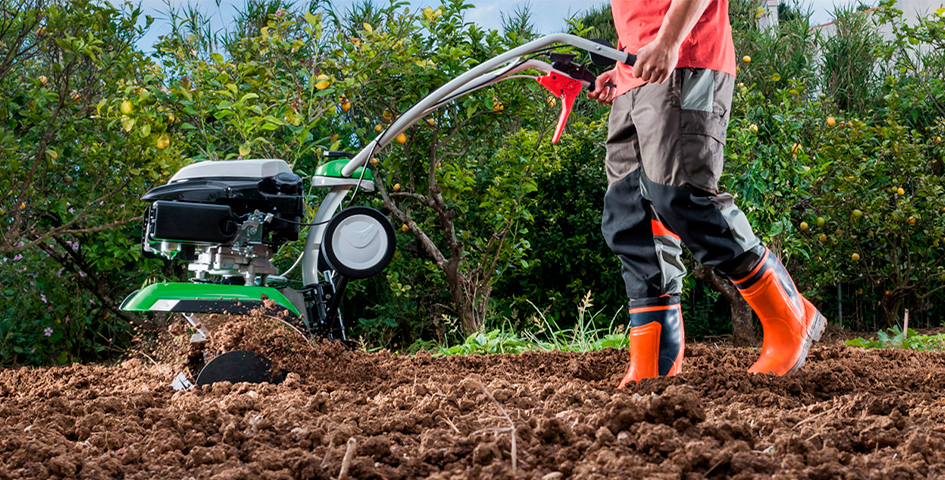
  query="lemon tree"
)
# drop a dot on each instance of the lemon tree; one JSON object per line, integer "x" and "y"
{"x": 443, "y": 179}
{"x": 79, "y": 139}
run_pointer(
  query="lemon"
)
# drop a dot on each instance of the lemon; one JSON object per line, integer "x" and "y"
{"x": 401, "y": 139}
{"x": 857, "y": 214}
{"x": 804, "y": 226}
{"x": 396, "y": 187}
{"x": 127, "y": 107}
{"x": 855, "y": 257}
{"x": 900, "y": 191}
{"x": 164, "y": 141}
{"x": 378, "y": 128}
{"x": 821, "y": 221}
{"x": 831, "y": 121}
{"x": 404, "y": 228}
{"x": 746, "y": 59}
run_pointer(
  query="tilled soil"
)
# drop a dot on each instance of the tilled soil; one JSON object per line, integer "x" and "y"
{"x": 849, "y": 413}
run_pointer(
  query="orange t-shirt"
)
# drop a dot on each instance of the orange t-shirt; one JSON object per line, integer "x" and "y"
{"x": 709, "y": 44}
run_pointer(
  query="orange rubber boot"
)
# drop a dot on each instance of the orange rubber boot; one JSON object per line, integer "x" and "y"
{"x": 656, "y": 339}
{"x": 790, "y": 323}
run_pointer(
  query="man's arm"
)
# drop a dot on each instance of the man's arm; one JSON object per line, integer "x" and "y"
{"x": 656, "y": 60}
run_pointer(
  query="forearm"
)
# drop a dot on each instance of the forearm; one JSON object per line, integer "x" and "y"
{"x": 679, "y": 20}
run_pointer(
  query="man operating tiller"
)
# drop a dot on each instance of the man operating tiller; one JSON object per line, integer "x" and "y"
{"x": 664, "y": 160}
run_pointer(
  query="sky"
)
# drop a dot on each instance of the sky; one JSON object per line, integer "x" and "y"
{"x": 548, "y": 15}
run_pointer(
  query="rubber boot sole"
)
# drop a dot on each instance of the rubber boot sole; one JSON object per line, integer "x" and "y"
{"x": 816, "y": 330}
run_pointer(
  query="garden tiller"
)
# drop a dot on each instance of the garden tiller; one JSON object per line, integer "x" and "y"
{"x": 227, "y": 218}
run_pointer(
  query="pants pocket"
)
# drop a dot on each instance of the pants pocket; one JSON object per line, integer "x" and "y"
{"x": 702, "y": 159}
{"x": 703, "y": 124}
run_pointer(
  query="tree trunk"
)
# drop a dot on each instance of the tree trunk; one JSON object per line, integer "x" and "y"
{"x": 743, "y": 329}
{"x": 457, "y": 285}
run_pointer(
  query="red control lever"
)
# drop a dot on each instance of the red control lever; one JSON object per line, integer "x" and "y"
{"x": 567, "y": 90}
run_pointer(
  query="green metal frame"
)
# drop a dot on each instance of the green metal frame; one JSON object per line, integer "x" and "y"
{"x": 149, "y": 298}
{"x": 333, "y": 169}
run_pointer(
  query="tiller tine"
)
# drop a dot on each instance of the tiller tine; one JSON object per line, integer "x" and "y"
{"x": 238, "y": 366}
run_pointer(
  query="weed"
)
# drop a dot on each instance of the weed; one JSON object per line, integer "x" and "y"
{"x": 582, "y": 337}
{"x": 896, "y": 338}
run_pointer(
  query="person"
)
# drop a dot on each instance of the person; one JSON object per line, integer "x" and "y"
{"x": 667, "y": 125}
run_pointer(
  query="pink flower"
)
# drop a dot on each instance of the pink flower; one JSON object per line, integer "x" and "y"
{"x": 48, "y": 331}
{"x": 43, "y": 297}
{"x": 17, "y": 257}
{"x": 71, "y": 210}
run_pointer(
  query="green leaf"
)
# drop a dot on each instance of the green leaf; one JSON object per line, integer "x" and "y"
{"x": 313, "y": 19}
{"x": 127, "y": 123}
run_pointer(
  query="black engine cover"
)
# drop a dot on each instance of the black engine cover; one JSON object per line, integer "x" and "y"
{"x": 191, "y": 222}
{"x": 209, "y": 210}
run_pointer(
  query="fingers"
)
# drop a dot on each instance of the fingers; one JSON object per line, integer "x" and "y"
{"x": 655, "y": 62}
{"x": 604, "y": 89}
{"x": 659, "y": 76}
{"x": 603, "y": 94}
{"x": 650, "y": 73}
{"x": 639, "y": 69}
{"x": 653, "y": 75}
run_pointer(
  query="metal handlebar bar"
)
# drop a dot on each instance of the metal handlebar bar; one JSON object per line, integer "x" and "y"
{"x": 452, "y": 90}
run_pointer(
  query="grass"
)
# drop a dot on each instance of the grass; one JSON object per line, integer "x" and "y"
{"x": 582, "y": 337}
{"x": 896, "y": 338}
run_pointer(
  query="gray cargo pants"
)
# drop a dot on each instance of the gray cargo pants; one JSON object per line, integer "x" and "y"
{"x": 664, "y": 161}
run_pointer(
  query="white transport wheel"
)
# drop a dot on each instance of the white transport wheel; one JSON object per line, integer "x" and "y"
{"x": 359, "y": 242}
